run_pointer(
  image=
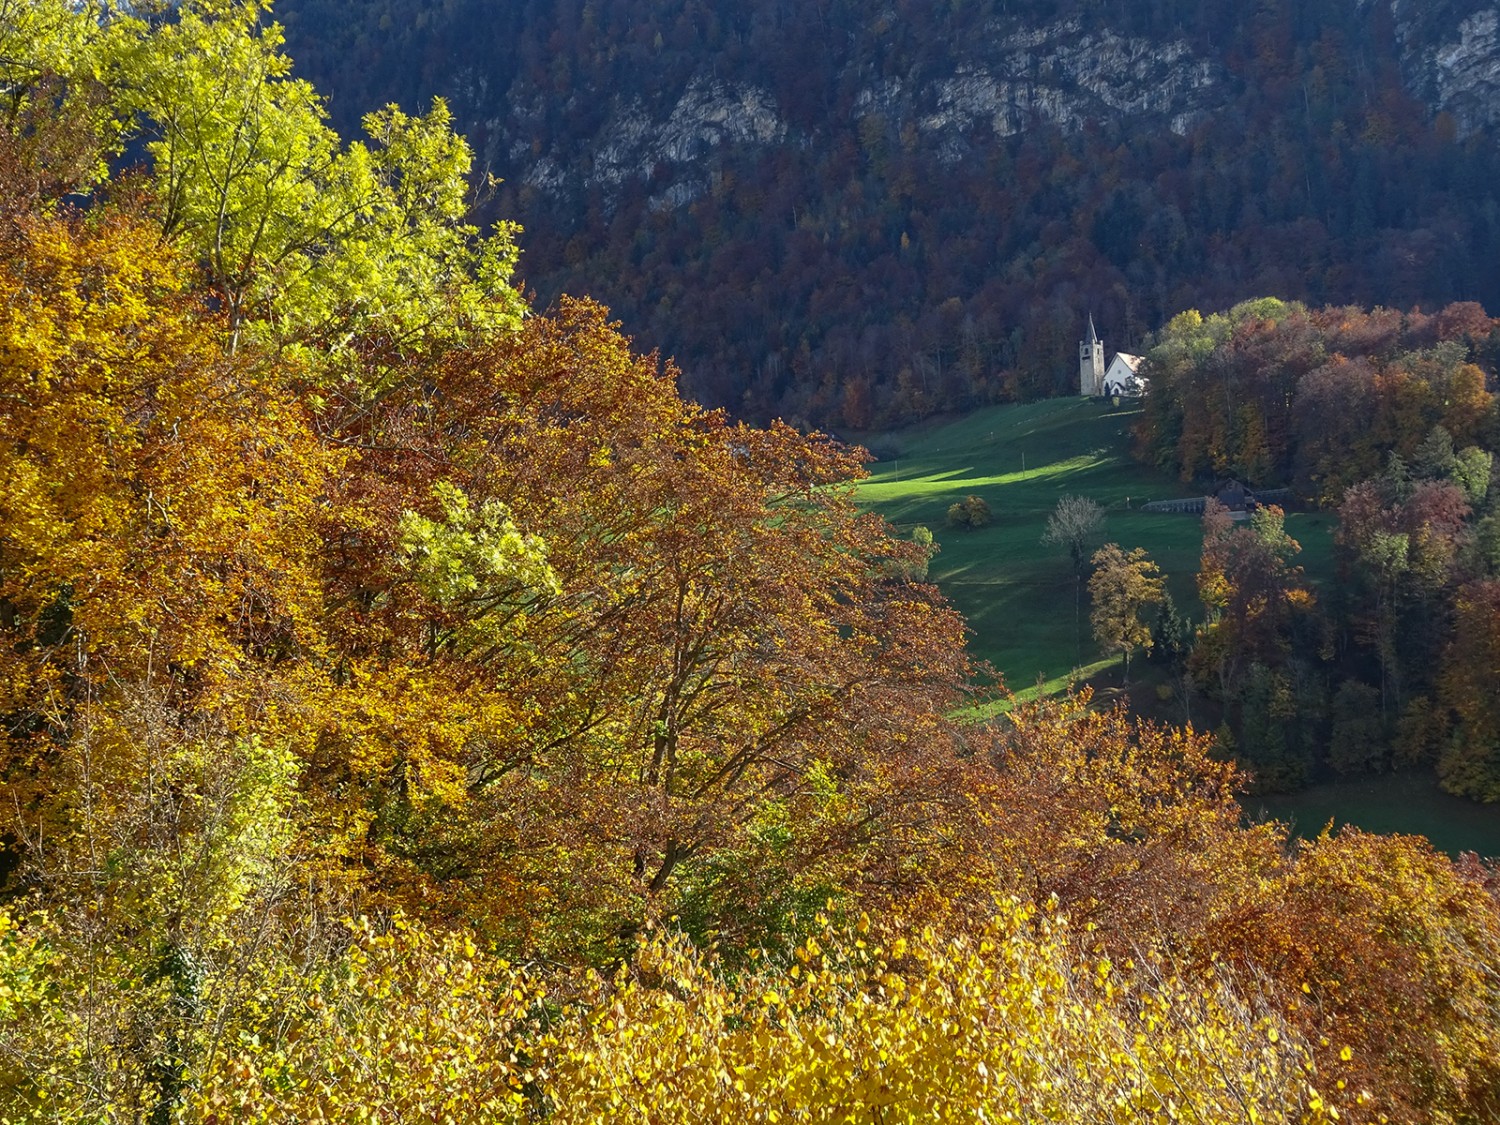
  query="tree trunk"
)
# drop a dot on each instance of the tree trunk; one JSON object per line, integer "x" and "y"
{"x": 1077, "y": 624}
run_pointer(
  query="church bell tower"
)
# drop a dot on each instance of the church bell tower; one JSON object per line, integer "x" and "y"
{"x": 1091, "y": 363}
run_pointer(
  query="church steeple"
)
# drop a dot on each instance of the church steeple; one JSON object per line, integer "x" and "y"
{"x": 1091, "y": 363}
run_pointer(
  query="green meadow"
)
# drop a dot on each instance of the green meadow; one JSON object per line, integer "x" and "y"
{"x": 1017, "y": 594}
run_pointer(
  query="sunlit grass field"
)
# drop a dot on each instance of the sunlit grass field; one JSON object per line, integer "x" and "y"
{"x": 1017, "y": 594}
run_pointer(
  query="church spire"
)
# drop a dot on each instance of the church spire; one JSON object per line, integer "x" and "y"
{"x": 1091, "y": 363}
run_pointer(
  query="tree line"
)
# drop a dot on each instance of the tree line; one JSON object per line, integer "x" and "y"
{"x": 1387, "y": 419}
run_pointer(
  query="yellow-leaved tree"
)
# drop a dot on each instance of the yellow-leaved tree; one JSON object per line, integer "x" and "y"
{"x": 1121, "y": 588}
{"x": 159, "y": 601}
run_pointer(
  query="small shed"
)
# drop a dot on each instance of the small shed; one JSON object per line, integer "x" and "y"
{"x": 1235, "y": 496}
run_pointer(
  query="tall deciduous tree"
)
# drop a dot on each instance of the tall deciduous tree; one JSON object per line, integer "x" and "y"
{"x": 1123, "y": 585}
{"x": 159, "y": 606}
{"x": 1400, "y": 544}
{"x": 57, "y": 117}
{"x": 154, "y": 508}
{"x": 724, "y": 680}
{"x": 310, "y": 243}
{"x": 1076, "y": 525}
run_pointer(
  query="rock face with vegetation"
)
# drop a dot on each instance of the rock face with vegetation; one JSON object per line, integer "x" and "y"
{"x": 1450, "y": 54}
{"x": 1001, "y": 83}
{"x": 853, "y": 214}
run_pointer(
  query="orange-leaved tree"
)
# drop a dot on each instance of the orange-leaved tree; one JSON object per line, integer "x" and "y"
{"x": 154, "y": 496}
{"x": 1132, "y": 826}
{"x": 706, "y": 693}
{"x": 1387, "y": 949}
{"x": 160, "y": 611}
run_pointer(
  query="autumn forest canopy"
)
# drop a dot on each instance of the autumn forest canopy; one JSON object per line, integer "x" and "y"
{"x": 1385, "y": 418}
{"x": 415, "y": 710}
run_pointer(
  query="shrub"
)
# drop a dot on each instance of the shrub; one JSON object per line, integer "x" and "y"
{"x": 971, "y": 512}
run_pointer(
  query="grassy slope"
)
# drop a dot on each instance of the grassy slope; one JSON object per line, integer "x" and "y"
{"x": 1016, "y": 593}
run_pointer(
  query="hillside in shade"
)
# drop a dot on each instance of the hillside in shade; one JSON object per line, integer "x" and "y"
{"x": 853, "y": 214}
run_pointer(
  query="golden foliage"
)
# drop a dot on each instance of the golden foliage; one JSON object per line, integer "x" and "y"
{"x": 1005, "y": 1024}
{"x": 1008, "y": 1023}
{"x": 1121, "y": 587}
{"x": 1389, "y": 947}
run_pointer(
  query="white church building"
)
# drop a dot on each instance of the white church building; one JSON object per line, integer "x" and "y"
{"x": 1122, "y": 377}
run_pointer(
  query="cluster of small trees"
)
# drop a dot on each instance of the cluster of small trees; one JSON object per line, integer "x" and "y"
{"x": 1272, "y": 392}
{"x": 455, "y": 724}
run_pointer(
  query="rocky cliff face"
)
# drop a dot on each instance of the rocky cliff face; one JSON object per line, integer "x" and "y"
{"x": 998, "y": 84}
{"x": 1450, "y": 54}
{"x": 1065, "y": 76}
{"x": 634, "y": 145}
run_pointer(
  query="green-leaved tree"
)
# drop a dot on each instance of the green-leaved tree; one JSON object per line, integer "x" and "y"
{"x": 350, "y": 258}
{"x": 310, "y": 243}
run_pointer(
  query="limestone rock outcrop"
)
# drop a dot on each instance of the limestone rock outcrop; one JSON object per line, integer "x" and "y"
{"x": 1000, "y": 83}
{"x": 1450, "y": 53}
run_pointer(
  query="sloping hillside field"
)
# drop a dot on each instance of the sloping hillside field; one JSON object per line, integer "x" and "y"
{"x": 1017, "y": 593}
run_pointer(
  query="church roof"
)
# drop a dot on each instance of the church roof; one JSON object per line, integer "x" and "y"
{"x": 1131, "y": 361}
{"x": 1093, "y": 337}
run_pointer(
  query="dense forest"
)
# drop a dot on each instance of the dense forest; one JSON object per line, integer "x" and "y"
{"x": 854, "y": 215}
{"x": 1384, "y": 417}
{"x": 415, "y": 710}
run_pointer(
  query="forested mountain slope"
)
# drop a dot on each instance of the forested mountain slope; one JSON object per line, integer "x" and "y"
{"x": 852, "y": 213}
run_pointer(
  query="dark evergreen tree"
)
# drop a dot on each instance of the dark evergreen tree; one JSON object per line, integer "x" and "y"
{"x": 1171, "y": 636}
